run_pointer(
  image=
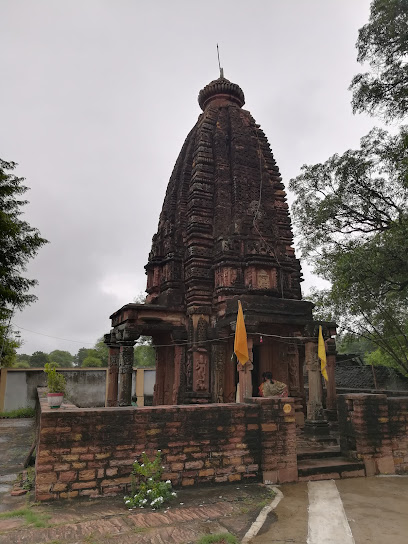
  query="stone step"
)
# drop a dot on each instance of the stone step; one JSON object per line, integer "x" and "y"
{"x": 329, "y": 468}
{"x": 317, "y": 442}
{"x": 318, "y": 453}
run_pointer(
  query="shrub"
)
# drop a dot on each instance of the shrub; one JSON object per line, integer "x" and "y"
{"x": 148, "y": 490}
{"x": 56, "y": 381}
{"x": 19, "y": 412}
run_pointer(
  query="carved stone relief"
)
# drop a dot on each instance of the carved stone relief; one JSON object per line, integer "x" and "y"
{"x": 263, "y": 280}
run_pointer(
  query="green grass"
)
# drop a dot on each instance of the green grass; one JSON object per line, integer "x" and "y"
{"x": 219, "y": 538}
{"x": 268, "y": 499}
{"x": 139, "y": 530}
{"x": 20, "y": 412}
{"x": 30, "y": 517}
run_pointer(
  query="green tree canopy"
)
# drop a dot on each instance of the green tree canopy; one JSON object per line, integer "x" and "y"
{"x": 38, "y": 359}
{"x": 81, "y": 356}
{"x": 62, "y": 358}
{"x": 351, "y": 212}
{"x": 21, "y": 364}
{"x": 19, "y": 242}
{"x": 145, "y": 354}
{"x": 23, "y": 357}
{"x": 91, "y": 361}
{"x": 383, "y": 44}
{"x": 101, "y": 351}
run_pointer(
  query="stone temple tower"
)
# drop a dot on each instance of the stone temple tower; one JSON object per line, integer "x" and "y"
{"x": 224, "y": 235}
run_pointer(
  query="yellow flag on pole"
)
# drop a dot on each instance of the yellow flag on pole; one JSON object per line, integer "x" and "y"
{"x": 241, "y": 344}
{"x": 321, "y": 351}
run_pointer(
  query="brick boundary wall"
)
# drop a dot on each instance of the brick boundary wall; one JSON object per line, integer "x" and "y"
{"x": 90, "y": 452}
{"x": 398, "y": 414}
{"x": 374, "y": 428}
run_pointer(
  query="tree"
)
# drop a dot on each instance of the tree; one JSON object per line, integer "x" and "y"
{"x": 21, "y": 364}
{"x": 9, "y": 346}
{"x": 145, "y": 354}
{"x": 351, "y": 212}
{"x": 19, "y": 242}
{"x": 39, "y": 359}
{"x": 23, "y": 358}
{"x": 101, "y": 351}
{"x": 81, "y": 356}
{"x": 62, "y": 358}
{"x": 91, "y": 361}
{"x": 383, "y": 43}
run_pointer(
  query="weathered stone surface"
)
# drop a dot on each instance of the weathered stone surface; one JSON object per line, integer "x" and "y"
{"x": 224, "y": 234}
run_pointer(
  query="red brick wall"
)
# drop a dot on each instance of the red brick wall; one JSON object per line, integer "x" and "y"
{"x": 398, "y": 414}
{"x": 375, "y": 428}
{"x": 278, "y": 439}
{"x": 91, "y": 451}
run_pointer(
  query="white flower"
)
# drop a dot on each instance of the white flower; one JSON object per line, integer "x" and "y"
{"x": 150, "y": 479}
{"x": 142, "y": 465}
{"x": 174, "y": 494}
{"x": 168, "y": 482}
{"x": 159, "y": 450}
{"x": 149, "y": 491}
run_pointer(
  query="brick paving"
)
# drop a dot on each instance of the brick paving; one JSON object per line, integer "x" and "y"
{"x": 218, "y": 509}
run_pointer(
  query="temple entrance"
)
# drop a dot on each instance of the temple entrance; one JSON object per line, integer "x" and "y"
{"x": 273, "y": 357}
{"x": 256, "y": 374}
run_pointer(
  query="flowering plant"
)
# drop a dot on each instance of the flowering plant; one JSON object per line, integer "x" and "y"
{"x": 148, "y": 490}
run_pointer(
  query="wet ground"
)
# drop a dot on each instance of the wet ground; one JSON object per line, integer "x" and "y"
{"x": 376, "y": 509}
{"x": 189, "y": 516}
{"x": 16, "y": 438}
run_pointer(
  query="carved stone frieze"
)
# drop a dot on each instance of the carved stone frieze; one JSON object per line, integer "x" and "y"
{"x": 216, "y": 241}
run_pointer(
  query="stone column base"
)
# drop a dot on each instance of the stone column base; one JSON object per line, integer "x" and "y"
{"x": 331, "y": 415}
{"x": 317, "y": 429}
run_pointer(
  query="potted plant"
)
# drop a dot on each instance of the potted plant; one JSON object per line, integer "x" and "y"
{"x": 56, "y": 385}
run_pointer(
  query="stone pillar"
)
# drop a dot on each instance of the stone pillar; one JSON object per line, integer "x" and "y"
{"x": 331, "y": 402}
{"x": 179, "y": 354}
{"x": 245, "y": 375}
{"x": 218, "y": 356}
{"x": 315, "y": 423}
{"x": 126, "y": 370}
{"x": 113, "y": 370}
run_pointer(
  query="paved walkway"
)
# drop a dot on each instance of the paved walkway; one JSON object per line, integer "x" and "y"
{"x": 357, "y": 510}
{"x": 192, "y": 514}
{"x": 16, "y": 437}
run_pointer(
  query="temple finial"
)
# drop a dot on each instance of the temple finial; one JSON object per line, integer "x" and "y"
{"x": 219, "y": 64}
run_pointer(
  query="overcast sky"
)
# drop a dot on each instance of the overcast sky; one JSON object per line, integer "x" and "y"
{"x": 96, "y": 99}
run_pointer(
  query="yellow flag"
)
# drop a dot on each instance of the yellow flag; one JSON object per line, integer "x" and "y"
{"x": 241, "y": 344}
{"x": 321, "y": 351}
